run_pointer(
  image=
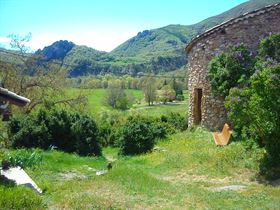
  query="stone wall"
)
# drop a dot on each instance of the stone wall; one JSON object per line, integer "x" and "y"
{"x": 249, "y": 30}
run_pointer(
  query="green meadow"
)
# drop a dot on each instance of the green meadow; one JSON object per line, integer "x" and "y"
{"x": 182, "y": 172}
{"x": 96, "y": 103}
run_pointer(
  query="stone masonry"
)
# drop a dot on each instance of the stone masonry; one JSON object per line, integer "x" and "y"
{"x": 249, "y": 29}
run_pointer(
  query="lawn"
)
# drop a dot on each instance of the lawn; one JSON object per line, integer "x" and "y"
{"x": 181, "y": 173}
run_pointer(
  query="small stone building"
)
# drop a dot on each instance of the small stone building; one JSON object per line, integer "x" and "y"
{"x": 249, "y": 28}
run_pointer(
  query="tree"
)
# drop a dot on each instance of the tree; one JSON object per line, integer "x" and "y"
{"x": 166, "y": 94}
{"x": 178, "y": 88}
{"x": 149, "y": 89}
{"x": 116, "y": 96}
{"x": 42, "y": 82}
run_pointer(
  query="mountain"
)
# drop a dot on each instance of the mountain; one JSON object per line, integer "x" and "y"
{"x": 157, "y": 50}
{"x": 57, "y": 50}
{"x": 171, "y": 40}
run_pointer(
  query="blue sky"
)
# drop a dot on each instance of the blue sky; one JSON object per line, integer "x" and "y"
{"x": 101, "y": 24}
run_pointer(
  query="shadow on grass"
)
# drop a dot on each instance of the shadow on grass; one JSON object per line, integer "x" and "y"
{"x": 269, "y": 172}
{"x": 6, "y": 182}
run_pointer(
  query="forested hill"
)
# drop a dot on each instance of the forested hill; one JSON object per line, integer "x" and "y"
{"x": 156, "y": 50}
{"x": 170, "y": 40}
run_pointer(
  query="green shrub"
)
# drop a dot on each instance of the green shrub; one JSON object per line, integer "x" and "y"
{"x": 70, "y": 132}
{"x": 270, "y": 48}
{"x": 137, "y": 136}
{"x": 254, "y": 110}
{"x": 59, "y": 125}
{"x": 27, "y": 133}
{"x": 86, "y": 137}
{"x": 176, "y": 120}
{"x": 109, "y": 128}
{"x": 230, "y": 69}
{"x": 264, "y": 103}
{"x": 237, "y": 104}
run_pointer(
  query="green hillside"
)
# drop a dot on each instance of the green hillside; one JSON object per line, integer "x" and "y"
{"x": 171, "y": 40}
{"x": 157, "y": 42}
{"x": 162, "y": 49}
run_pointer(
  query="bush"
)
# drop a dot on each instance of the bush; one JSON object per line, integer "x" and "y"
{"x": 175, "y": 120}
{"x": 109, "y": 128}
{"x": 270, "y": 48}
{"x": 254, "y": 110}
{"x": 25, "y": 132}
{"x": 70, "y": 132}
{"x": 85, "y": 133}
{"x": 230, "y": 69}
{"x": 137, "y": 136}
{"x": 237, "y": 104}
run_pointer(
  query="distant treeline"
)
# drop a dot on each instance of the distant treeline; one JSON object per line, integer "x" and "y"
{"x": 125, "y": 82}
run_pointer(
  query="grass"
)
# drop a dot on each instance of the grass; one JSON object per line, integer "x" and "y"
{"x": 157, "y": 110}
{"x": 180, "y": 174}
{"x": 96, "y": 105}
{"x": 160, "y": 109}
{"x": 96, "y": 98}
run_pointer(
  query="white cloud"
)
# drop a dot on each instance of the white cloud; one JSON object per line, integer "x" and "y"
{"x": 101, "y": 40}
{"x": 42, "y": 40}
{"x": 5, "y": 42}
{"x": 104, "y": 39}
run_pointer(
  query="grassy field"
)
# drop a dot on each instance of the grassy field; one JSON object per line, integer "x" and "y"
{"x": 160, "y": 109}
{"x": 96, "y": 104}
{"x": 96, "y": 98}
{"x": 181, "y": 173}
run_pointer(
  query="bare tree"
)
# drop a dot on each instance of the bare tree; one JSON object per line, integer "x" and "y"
{"x": 116, "y": 96}
{"x": 149, "y": 89}
{"x": 27, "y": 75}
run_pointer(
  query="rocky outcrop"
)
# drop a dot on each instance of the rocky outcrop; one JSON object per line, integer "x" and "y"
{"x": 57, "y": 50}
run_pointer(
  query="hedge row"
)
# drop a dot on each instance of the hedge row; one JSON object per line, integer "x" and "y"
{"x": 70, "y": 132}
{"x": 73, "y": 132}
